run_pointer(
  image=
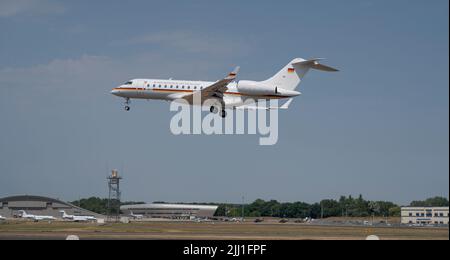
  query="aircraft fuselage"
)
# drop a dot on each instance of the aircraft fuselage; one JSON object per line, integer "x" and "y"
{"x": 170, "y": 90}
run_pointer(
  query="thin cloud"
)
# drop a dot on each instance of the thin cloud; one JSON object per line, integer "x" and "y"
{"x": 59, "y": 72}
{"x": 11, "y": 8}
{"x": 191, "y": 42}
{"x": 87, "y": 70}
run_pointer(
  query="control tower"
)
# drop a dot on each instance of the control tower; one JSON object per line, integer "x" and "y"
{"x": 113, "y": 210}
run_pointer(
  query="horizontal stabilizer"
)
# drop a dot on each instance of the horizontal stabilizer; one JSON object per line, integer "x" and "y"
{"x": 314, "y": 64}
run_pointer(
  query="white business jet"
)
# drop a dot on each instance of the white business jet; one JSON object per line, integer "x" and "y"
{"x": 77, "y": 218}
{"x": 23, "y": 214}
{"x": 136, "y": 216}
{"x": 225, "y": 93}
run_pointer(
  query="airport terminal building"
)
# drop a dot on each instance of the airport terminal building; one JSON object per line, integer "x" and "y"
{"x": 172, "y": 211}
{"x": 425, "y": 215}
{"x": 37, "y": 205}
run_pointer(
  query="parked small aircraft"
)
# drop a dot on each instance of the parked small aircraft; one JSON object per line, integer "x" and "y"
{"x": 77, "y": 218}
{"x": 23, "y": 214}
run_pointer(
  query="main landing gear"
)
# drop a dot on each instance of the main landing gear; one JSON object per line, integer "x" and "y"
{"x": 223, "y": 113}
{"x": 127, "y": 104}
{"x": 215, "y": 110}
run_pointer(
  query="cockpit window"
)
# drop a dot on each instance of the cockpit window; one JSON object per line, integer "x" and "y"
{"x": 128, "y": 83}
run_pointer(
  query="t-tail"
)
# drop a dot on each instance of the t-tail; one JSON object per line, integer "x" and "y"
{"x": 64, "y": 214}
{"x": 292, "y": 74}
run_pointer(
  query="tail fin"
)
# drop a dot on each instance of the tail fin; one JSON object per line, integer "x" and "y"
{"x": 293, "y": 73}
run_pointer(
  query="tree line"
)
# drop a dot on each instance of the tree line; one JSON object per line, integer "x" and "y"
{"x": 100, "y": 205}
{"x": 344, "y": 206}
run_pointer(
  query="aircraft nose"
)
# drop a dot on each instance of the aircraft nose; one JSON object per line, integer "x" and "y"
{"x": 115, "y": 91}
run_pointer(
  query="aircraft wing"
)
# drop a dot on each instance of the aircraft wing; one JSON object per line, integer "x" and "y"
{"x": 215, "y": 90}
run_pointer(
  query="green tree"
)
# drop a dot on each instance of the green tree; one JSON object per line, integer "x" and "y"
{"x": 330, "y": 207}
{"x": 315, "y": 210}
{"x": 395, "y": 212}
{"x": 431, "y": 202}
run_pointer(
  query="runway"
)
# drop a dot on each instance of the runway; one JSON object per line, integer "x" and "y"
{"x": 211, "y": 231}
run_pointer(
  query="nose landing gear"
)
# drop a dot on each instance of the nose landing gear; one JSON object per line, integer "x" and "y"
{"x": 127, "y": 104}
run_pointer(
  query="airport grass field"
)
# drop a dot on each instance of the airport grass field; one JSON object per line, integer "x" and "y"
{"x": 212, "y": 230}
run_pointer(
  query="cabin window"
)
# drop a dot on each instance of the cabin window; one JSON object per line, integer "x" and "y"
{"x": 128, "y": 83}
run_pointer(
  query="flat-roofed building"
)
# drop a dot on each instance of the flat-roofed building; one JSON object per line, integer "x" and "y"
{"x": 425, "y": 215}
{"x": 173, "y": 211}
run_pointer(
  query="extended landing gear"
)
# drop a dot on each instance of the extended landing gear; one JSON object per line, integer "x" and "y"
{"x": 223, "y": 113}
{"x": 215, "y": 110}
{"x": 127, "y": 104}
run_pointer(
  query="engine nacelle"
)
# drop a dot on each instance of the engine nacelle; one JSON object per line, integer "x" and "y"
{"x": 255, "y": 88}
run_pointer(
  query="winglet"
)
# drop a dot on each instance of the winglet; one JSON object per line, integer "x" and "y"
{"x": 234, "y": 73}
{"x": 286, "y": 105}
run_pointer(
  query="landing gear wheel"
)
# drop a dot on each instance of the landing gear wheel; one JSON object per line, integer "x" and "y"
{"x": 223, "y": 114}
{"x": 127, "y": 104}
{"x": 213, "y": 109}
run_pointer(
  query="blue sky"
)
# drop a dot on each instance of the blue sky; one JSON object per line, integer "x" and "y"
{"x": 379, "y": 127}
